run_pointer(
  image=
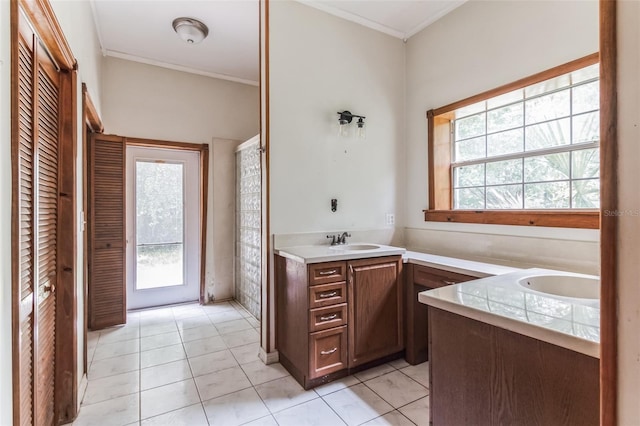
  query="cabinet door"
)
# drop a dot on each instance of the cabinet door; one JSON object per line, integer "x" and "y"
{"x": 375, "y": 309}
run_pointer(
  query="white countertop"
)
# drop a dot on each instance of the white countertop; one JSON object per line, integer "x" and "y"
{"x": 460, "y": 266}
{"x": 325, "y": 253}
{"x": 500, "y": 301}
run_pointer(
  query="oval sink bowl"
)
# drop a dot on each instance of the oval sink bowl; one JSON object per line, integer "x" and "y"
{"x": 356, "y": 247}
{"x": 563, "y": 285}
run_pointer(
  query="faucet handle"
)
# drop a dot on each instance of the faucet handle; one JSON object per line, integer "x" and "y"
{"x": 333, "y": 239}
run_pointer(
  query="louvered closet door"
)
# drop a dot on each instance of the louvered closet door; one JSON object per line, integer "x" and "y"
{"x": 47, "y": 116}
{"x": 23, "y": 407}
{"x": 37, "y": 195}
{"x": 107, "y": 294}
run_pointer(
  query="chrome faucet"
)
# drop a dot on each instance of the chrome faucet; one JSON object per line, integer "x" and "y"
{"x": 342, "y": 239}
{"x": 339, "y": 238}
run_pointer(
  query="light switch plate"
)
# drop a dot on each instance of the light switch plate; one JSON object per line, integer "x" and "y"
{"x": 390, "y": 219}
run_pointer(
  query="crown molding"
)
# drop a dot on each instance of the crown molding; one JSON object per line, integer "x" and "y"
{"x": 353, "y": 18}
{"x": 415, "y": 30}
{"x": 147, "y": 61}
{"x": 318, "y": 4}
{"x": 96, "y": 24}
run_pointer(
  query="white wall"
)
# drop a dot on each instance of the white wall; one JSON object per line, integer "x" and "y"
{"x": 5, "y": 217}
{"x": 629, "y": 202}
{"x": 149, "y": 102}
{"x": 320, "y": 64}
{"x": 146, "y": 101}
{"x": 477, "y": 47}
{"x": 220, "y": 278}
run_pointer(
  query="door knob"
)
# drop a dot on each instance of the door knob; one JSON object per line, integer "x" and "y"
{"x": 49, "y": 288}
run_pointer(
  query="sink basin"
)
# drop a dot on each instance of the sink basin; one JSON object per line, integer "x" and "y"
{"x": 356, "y": 247}
{"x": 563, "y": 285}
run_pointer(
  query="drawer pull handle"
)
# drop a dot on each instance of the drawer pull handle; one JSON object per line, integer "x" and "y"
{"x": 329, "y": 317}
{"x": 331, "y": 272}
{"x": 327, "y": 295}
{"x": 328, "y": 352}
{"x": 449, "y": 282}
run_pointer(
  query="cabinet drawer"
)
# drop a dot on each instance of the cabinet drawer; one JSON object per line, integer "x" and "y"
{"x": 327, "y": 294}
{"x": 434, "y": 278}
{"x": 327, "y": 351}
{"x": 327, "y": 317}
{"x": 327, "y": 272}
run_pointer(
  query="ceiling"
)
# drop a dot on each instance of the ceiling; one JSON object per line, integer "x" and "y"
{"x": 140, "y": 30}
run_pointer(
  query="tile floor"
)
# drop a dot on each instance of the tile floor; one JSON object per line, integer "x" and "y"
{"x": 197, "y": 365}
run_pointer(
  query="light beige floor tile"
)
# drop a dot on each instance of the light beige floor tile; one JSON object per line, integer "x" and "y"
{"x": 397, "y": 389}
{"x": 164, "y": 374}
{"x": 167, "y": 398}
{"x": 187, "y": 323}
{"x": 192, "y": 415}
{"x": 221, "y": 382}
{"x": 283, "y": 393}
{"x": 247, "y": 353}
{"x": 312, "y": 413}
{"x": 233, "y": 326}
{"x": 118, "y": 334}
{"x": 189, "y": 313}
{"x": 357, "y": 404}
{"x": 264, "y": 421}
{"x": 204, "y": 346}
{"x": 161, "y": 356}
{"x": 153, "y": 329}
{"x": 210, "y": 363}
{"x": 241, "y": 338}
{"x": 365, "y": 375}
{"x": 258, "y": 372}
{"x": 394, "y": 418}
{"x": 418, "y": 411}
{"x": 236, "y": 408}
{"x": 254, "y": 322}
{"x": 159, "y": 340}
{"x": 336, "y": 385}
{"x": 114, "y": 412}
{"x": 399, "y": 363}
{"x": 112, "y": 366}
{"x": 198, "y": 333}
{"x": 216, "y": 308}
{"x": 224, "y": 316}
{"x": 110, "y": 350}
{"x": 419, "y": 373}
{"x": 111, "y": 387}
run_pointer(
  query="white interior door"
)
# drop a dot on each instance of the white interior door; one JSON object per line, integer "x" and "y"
{"x": 163, "y": 226}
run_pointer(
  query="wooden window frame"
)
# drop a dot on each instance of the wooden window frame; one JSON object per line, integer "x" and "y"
{"x": 439, "y": 161}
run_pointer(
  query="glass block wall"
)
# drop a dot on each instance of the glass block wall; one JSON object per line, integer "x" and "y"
{"x": 248, "y": 228}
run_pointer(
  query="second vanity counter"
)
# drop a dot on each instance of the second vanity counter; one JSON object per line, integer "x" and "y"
{"x": 500, "y": 301}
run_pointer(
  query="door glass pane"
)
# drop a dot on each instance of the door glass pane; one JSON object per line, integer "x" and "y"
{"x": 159, "y": 224}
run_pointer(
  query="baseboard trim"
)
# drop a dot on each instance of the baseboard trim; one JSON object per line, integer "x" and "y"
{"x": 82, "y": 388}
{"x": 268, "y": 357}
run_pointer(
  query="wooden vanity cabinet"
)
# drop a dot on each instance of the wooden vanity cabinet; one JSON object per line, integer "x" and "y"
{"x": 484, "y": 375}
{"x": 420, "y": 278}
{"x": 334, "y": 317}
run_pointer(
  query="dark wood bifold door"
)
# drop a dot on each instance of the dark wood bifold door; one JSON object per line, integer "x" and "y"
{"x": 107, "y": 242}
{"x": 36, "y": 228}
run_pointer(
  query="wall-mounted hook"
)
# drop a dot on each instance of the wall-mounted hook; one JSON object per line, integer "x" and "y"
{"x": 334, "y": 204}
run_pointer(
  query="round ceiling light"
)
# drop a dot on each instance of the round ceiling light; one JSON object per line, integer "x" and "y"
{"x": 190, "y": 30}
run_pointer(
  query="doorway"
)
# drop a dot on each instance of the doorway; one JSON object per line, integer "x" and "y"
{"x": 163, "y": 226}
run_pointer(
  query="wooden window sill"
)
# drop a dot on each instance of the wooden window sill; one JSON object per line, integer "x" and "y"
{"x": 587, "y": 219}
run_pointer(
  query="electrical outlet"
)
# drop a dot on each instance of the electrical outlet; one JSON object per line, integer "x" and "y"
{"x": 390, "y": 219}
